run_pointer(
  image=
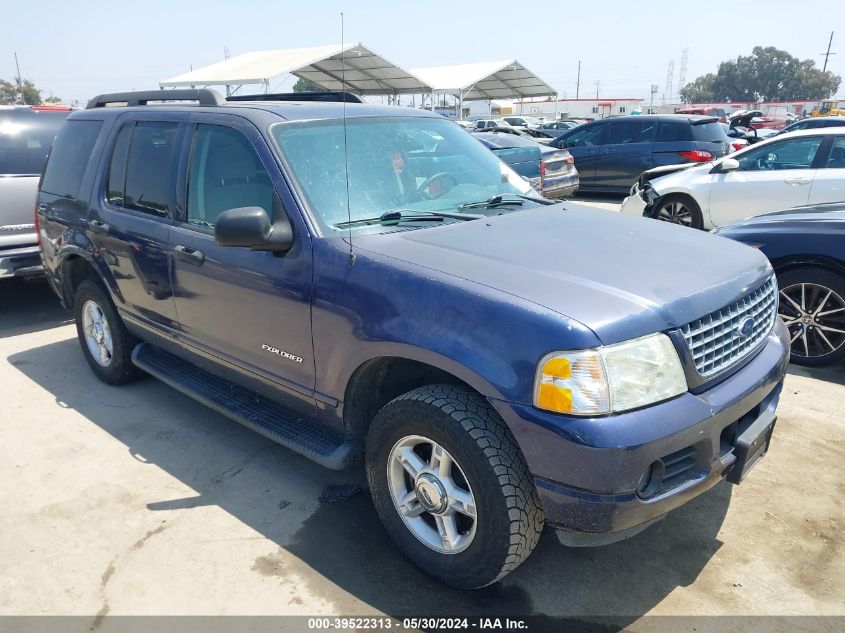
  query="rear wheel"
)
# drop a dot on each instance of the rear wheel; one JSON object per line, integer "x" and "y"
{"x": 451, "y": 485}
{"x": 812, "y": 305}
{"x": 679, "y": 209}
{"x": 106, "y": 344}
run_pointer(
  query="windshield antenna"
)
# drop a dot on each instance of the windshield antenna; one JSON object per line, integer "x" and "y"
{"x": 345, "y": 146}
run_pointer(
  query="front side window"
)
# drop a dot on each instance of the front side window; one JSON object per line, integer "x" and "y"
{"x": 796, "y": 153}
{"x": 225, "y": 173}
{"x": 586, "y": 136}
{"x": 143, "y": 167}
{"x": 388, "y": 169}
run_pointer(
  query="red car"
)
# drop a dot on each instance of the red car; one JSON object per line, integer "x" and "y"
{"x": 710, "y": 111}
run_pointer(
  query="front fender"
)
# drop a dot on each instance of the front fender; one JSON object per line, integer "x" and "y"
{"x": 381, "y": 307}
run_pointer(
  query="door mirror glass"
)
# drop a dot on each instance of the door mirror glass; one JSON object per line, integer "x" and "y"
{"x": 250, "y": 227}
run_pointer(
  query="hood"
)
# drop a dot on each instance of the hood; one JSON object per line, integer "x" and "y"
{"x": 657, "y": 172}
{"x": 681, "y": 177}
{"x": 622, "y": 277}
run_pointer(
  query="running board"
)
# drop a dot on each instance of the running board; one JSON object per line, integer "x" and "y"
{"x": 253, "y": 411}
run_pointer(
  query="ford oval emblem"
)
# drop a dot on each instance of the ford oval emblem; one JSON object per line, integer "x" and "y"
{"x": 745, "y": 328}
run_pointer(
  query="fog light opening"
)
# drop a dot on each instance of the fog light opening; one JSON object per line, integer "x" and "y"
{"x": 651, "y": 479}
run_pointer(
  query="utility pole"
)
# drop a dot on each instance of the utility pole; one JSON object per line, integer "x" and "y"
{"x": 19, "y": 82}
{"x": 598, "y": 83}
{"x": 828, "y": 53}
{"x": 578, "y": 81}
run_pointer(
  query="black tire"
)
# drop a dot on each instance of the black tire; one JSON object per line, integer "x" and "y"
{"x": 119, "y": 369}
{"x": 818, "y": 281}
{"x": 509, "y": 516}
{"x": 696, "y": 219}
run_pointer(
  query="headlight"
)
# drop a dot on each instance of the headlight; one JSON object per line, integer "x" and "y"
{"x": 610, "y": 379}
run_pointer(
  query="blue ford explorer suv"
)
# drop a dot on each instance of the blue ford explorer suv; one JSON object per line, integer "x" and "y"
{"x": 498, "y": 362}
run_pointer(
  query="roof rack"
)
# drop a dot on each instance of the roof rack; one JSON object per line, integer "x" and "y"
{"x": 336, "y": 95}
{"x": 204, "y": 96}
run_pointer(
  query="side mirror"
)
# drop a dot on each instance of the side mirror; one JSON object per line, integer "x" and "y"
{"x": 250, "y": 227}
{"x": 727, "y": 164}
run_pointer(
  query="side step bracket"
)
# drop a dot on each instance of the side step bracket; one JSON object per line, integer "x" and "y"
{"x": 253, "y": 411}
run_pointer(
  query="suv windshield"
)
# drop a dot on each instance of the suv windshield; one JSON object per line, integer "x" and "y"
{"x": 408, "y": 163}
{"x": 25, "y": 139}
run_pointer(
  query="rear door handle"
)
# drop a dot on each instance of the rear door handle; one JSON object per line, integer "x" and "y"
{"x": 98, "y": 227}
{"x": 189, "y": 255}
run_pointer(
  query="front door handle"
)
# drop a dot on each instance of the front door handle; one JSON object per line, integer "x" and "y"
{"x": 797, "y": 181}
{"x": 98, "y": 227}
{"x": 189, "y": 255}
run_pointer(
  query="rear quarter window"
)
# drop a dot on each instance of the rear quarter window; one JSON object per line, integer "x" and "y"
{"x": 69, "y": 157}
{"x": 673, "y": 131}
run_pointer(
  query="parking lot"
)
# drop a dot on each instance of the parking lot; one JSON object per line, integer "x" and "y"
{"x": 138, "y": 500}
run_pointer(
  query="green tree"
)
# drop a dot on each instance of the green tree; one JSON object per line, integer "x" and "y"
{"x": 699, "y": 90}
{"x": 768, "y": 74}
{"x": 304, "y": 85}
{"x": 10, "y": 94}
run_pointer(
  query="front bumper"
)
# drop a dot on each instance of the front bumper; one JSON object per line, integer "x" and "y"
{"x": 592, "y": 473}
{"x": 20, "y": 262}
{"x": 634, "y": 205}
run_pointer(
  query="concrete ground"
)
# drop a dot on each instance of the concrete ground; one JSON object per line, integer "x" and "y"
{"x": 138, "y": 500}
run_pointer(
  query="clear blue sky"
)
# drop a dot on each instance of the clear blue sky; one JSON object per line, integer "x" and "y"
{"x": 79, "y": 48}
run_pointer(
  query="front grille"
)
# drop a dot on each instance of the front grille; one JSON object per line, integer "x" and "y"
{"x": 715, "y": 342}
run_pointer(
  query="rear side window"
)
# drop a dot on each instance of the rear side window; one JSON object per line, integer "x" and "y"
{"x": 836, "y": 160}
{"x": 623, "y": 132}
{"x": 25, "y": 139}
{"x": 143, "y": 167}
{"x": 69, "y": 157}
{"x": 708, "y": 132}
{"x": 673, "y": 132}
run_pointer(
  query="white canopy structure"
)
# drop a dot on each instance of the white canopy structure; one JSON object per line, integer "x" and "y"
{"x": 349, "y": 67}
{"x": 506, "y": 79}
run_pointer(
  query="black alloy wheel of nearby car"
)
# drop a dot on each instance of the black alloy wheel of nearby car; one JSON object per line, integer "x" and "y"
{"x": 812, "y": 305}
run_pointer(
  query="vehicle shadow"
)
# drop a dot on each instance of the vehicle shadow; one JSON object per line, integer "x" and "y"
{"x": 29, "y": 306}
{"x": 833, "y": 373}
{"x": 343, "y": 541}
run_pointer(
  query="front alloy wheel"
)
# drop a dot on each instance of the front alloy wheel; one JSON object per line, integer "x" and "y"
{"x": 681, "y": 210}
{"x": 451, "y": 485}
{"x": 431, "y": 494}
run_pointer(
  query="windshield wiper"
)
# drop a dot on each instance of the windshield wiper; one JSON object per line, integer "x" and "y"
{"x": 500, "y": 200}
{"x": 408, "y": 215}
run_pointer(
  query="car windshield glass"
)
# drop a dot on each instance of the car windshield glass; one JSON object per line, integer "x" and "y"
{"x": 411, "y": 163}
{"x": 25, "y": 139}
